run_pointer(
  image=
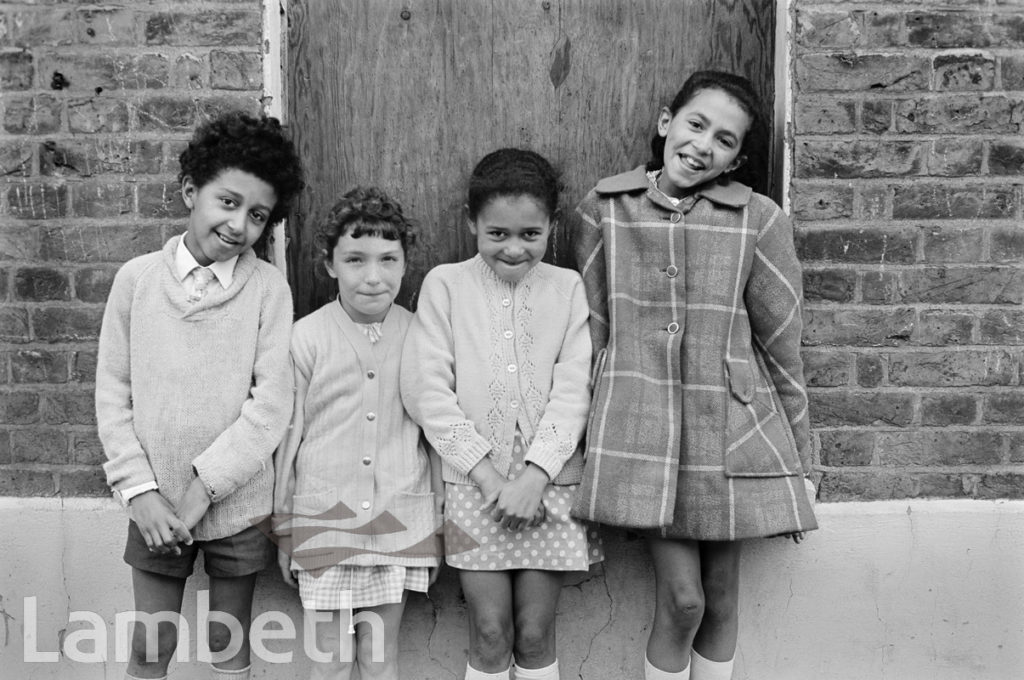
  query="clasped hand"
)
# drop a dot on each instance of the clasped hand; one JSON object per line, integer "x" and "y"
{"x": 165, "y": 527}
{"x": 517, "y": 504}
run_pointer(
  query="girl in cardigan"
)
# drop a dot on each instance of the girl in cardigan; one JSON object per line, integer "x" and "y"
{"x": 354, "y": 511}
{"x": 699, "y": 428}
{"x": 496, "y": 371}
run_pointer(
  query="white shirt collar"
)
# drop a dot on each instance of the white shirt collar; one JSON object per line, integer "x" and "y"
{"x": 184, "y": 263}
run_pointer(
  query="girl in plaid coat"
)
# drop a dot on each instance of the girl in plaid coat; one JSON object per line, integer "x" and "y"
{"x": 698, "y": 431}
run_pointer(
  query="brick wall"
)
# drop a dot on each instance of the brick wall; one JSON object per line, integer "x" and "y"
{"x": 907, "y": 191}
{"x": 95, "y": 102}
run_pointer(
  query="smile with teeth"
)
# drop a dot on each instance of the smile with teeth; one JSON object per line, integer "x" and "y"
{"x": 226, "y": 240}
{"x": 691, "y": 162}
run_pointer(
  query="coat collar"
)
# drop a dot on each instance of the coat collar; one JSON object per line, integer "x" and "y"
{"x": 732, "y": 194}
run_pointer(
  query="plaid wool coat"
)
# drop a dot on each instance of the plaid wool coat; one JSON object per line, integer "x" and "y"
{"x": 699, "y": 424}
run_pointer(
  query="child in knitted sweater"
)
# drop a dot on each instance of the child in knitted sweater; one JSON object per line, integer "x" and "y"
{"x": 194, "y": 388}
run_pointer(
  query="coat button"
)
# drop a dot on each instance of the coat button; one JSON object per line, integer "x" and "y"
{"x": 672, "y": 271}
{"x": 506, "y": 302}
{"x": 371, "y": 416}
{"x": 508, "y": 335}
{"x": 676, "y": 217}
{"x": 366, "y": 460}
{"x": 512, "y": 368}
{"x": 371, "y": 374}
{"x": 673, "y": 328}
{"x": 513, "y": 404}
{"x": 366, "y": 505}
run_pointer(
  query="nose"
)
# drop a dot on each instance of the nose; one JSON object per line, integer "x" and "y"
{"x": 372, "y": 273}
{"x": 235, "y": 221}
{"x": 513, "y": 248}
{"x": 702, "y": 142}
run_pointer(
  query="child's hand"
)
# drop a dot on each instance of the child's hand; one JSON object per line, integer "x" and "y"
{"x": 159, "y": 525}
{"x": 517, "y": 504}
{"x": 193, "y": 504}
{"x": 284, "y": 561}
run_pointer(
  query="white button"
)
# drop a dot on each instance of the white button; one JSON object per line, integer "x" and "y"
{"x": 508, "y": 334}
{"x": 672, "y": 271}
{"x": 676, "y": 217}
{"x": 673, "y": 328}
{"x": 514, "y": 404}
{"x": 366, "y": 505}
{"x": 371, "y": 416}
{"x": 512, "y": 368}
{"x": 506, "y": 302}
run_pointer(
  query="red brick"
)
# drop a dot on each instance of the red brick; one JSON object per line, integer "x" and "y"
{"x": 846, "y": 448}
{"x": 15, "y": 159}
{"x": 99, "y": 244}
{"x": 969, "y": 368}
{"x": 850, "y": 159}
{"x": 857, "y": 245}
{"x": 944, "y": 245}
{"x": 1007, "y": 245}
{"x": 956, "y": 157}
{"x": 858, "y": 327}
{"x": 949, "y": 409}
{"x": 16, "y": 71}
{"x": 22, "y": 481}
{"x": 951, "y": 285}
{"x": 95, "y": 199}
{"x": 958, "y": 114}
{"x": 873, "y": 485}
{"x": 39, "y": 366}
{"x": 816, "y": 28}
{"x": 829, "y": 285}
{"x": 870, "y": 370}
{"x": 66, "y": 324}
{"x": 161, "y": 200}
{"x": 37, "y": 201}
{"x": 964, "y": 29}
{"x": 827, "y": 368}
{"x": 1006, "y": 158}
{"x": 39, "y": 445}
{"x": 19, "y": 408}
{"x": 236, "y": 70}
{"x": 197, "y": 27}
{"x": 1001, "y": 327}
{"x": 83, "y": 366}
{"x": 68, "y": 408}
{"x": 86, "y": 449}
{"x": 1012, "y": 72}
{"x": 100, "y": 113}
{"x": 1004, "y": 408}
{"x": 876, "y": 115}
{"x": 38, "y": 284}
{"x": 964, "y": 72}
{"x": 953, "y": 201}
{"x": 35, "y": 115}
{"x": 99, "y": 156}
{"x": 836, "y": 408}
{"x": 93, "y": 283}
{"x": 821, "y": 202}
{"x": 941, "y": 327}
{"x": 940, "y": 448}
{"x": 83, "y": 481}
{"x": 824, "y": 115}
{"x": 873, "y": 202}
{"x": 14, "y": 326}
{"x": 862, "y": 72}
{"x": 109, "y": 72}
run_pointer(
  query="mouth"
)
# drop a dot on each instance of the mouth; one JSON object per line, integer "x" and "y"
{"x": 226, "y": 240}
{"x": 691, "y": 162}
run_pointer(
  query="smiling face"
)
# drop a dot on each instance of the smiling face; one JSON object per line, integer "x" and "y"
{"x": 369, "y": 272}
{"x": 702, "y": 140}
{"x": 227, "y": 214}
{"x": 512, "y": 235}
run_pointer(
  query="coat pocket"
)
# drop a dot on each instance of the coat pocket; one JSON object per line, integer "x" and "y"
{"x": 758, "y": 441}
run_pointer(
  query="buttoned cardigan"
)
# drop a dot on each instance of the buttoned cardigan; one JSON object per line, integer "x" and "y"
{"x": 485, "y": 357}
{"x": 699, "y": 422}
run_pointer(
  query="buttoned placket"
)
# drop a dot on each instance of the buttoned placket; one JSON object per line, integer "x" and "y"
{"x": 511, "y": 369}
{"x": 364, "y": 472}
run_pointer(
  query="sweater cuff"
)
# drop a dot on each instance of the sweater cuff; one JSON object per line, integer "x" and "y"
{"x": 547, "y": 460}
{"x": 464, "y": 455}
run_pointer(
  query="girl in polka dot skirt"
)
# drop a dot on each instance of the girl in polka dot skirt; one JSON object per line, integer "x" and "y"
{"x": 495, "y": 370}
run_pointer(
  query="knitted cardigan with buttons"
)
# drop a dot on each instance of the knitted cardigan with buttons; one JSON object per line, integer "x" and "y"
{"x": 484, "y": 357}
{"x": 201, "y": 388}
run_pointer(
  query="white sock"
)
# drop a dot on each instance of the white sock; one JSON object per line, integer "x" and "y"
{"x": 706, "y": 669}
{"x": 227, "y": 674}
{"x": 546, "y": 673}
{"x": 652, "y": 673}
{"x": 474, "y": 674}
{"x": 129, "y": 676}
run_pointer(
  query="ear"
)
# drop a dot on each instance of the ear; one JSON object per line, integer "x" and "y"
{"x": 329, "y": 264}
{"x": 737, "y": 162}
{"x": 188, "y": 191}
{"x": 470, "y": 222}
{"x": 664, "y": 120}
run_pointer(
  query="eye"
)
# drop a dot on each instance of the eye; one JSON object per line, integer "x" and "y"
{"x": 227, "y": 201}
{"x": 258, "y": 217}
{"x": 727, "y": 142}
{"x": 495, "y": 235}
{"x": 531, "y": 235}
{"x": 352, "y": 259}
{"x": 696, "y": 125}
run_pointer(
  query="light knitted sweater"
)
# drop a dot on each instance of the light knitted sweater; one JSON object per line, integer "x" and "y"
{"x": 196, "y": 388}
{"x": 485, "y": 357}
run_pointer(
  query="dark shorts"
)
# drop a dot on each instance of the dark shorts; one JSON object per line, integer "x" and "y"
{"x": 242, "y": 554}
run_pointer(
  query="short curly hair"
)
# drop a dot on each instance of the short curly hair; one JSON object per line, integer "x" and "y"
{"x": 513, "y": 172}
{"x": 257, "y": 145}
{"x": 364, "y": 211}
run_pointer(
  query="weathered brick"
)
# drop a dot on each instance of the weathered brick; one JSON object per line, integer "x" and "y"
{"x": 877, "y": 115}
{"x": 15, "y": 159}
{"x": 821, "y": 202}
{"x": 969, "y": 368}
{"x": 872, "y": 202}
{"x": 35, "y": 115}
{"x": 40, "y": 284}
{"x": 4, "y": 276}
{"x": 5, "y": 452}
{"x": 958, "y": 114}
{"x": 940, "y": 447}
{"x": 882, "y": 29}
{"x": 198, "y": 27}
{"x": 846, "y": 448}
{"x": 1004, "y": 408}
{"x": 67, "y": 324}
{"x": 85, "y": 158}
{"x": 858, "y": 327}
{"x": 1012, "y": 72}
{"x": 83, "y": 366}
{"x": 167, "y": 113}
{"x": 96, "y": 199}
{"x": 98, "y": 244}
{"x": 941, "y": 327}
{"x": 1006, "y": 158}
{"x": 93, "y": 283}
{"x": 824, "y": 115}
{"x": 857, "y": 245}
{"x": 39, "y": 366}
{"x": 862, "y": 72}
{"x": 1016, "y": 447}
{"x": 837, "y": 408}
{"x": 873, "y": 485}
{"x": 949, "y": 409}
{"x": 827, "y": 368}
{"x": 870, "y": 370}
{"x": 87, "y": 72}
{"x": 20, "y": 481}
{"x": 1001, "y": 327}
{"x": 829, "y": 285}
{"x": 189, "y": 73}
{"x": 848, "y": 159}
{"x": 68, "y": 408}
{"x": 964, "y": 72}
{"x": 923, "y": 201}
{"x": 17, "y": 70}
{"x": 236, "y": 70}
{"x": 19, "y": 408}
{"x": 951, "y": 285}
{"x": 39, "y": 445}
{"x": 956, "y": 157}
{"x": 1006, "y": 245}
{"x": 86, "y": 449}
{"x": 14, "y": 326}
{"x": 100, "y": 113}
{"x": 36, "y": 201}
{"x": 815, "y": 28}
{"x": 999, "y": 485}
{"x": 83, "y": 481}
{"x": 943, "y": 245}
{"x": 161, "y": 200}
{"x": 964, "y": 29}
{"x": 212, "y": 107}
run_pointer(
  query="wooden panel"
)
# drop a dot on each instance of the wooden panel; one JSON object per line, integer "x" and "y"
{"x": 410, "y": 102}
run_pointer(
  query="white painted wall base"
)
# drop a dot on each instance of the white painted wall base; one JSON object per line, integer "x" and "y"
{"x": 929, "y": 590}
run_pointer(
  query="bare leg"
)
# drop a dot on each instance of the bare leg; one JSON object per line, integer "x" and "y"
{"x": 155, "y": 594}
{"x": 377, "y": 645}
{"x": 720, "y": 576}
{"x": 535, "y": 594}
{"x": 332, "y": 637}
{"x": 489, "y": 596}
{"x": 679, "y": 602}
{"x": 233, "y": 597}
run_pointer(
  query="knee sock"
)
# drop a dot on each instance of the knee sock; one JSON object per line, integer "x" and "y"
{"x": 706, "y": 669}
{"x": 474, "y": 674}
{"x": 546, "y": 673}
{"x": 225, "y": 674}
{"x": 652, "y": 673}
{"x": 129, "y": 676}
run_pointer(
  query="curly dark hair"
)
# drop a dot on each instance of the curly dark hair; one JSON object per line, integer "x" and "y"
{"x": 755, "y": 143}
{"x": 513, "y": 172}
{"x": 257, "y": 145}
{"x": 364, "y": 211}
